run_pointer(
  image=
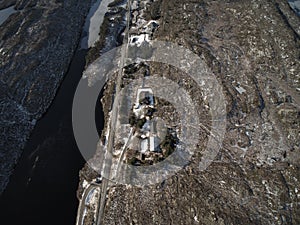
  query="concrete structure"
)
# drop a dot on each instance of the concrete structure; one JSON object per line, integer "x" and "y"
{"x": 152, "y": 144}
{"x": 142, "y": 93}
{"x": 144, "y": 146}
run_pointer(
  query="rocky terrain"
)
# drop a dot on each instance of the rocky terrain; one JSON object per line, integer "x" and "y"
{"x": 7, "y": 3}
{"x": 252, "y": 47}
{"x": 36, "y": 47}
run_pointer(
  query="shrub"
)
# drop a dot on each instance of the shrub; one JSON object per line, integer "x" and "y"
{"x": 140, "y": 123}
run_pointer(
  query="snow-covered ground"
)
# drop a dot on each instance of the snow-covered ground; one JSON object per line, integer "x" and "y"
{"x": 5, "y": 13}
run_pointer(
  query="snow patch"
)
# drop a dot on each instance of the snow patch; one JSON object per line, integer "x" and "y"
{"x": 139, "y": 39}
{"x": 240, "y": 90}
{"x": 84, "y": 184}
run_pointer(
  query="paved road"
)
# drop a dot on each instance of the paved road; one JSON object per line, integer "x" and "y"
{"x": 113, "y": 121}
{"x": 117, "y": 172}
{"x": 81, "y": 208}
{"x": 107, "y": 159}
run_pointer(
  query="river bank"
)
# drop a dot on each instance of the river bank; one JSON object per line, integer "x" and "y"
{"x": 44, "y": 70}
{"x": 42, "y": 189}
{"x": 37, "y": 45}
{"x": 45, "y": 180}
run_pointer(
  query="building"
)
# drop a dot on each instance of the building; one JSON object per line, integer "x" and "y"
{"x": 154, "y": 143}
{"x": 144, "y": 145}
{"x": 143, "y": 93}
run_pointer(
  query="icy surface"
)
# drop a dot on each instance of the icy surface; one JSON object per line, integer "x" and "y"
{"x": 295, "y": 5}
{"x": 93, "y": 21}
{"x": 5, "y": 13}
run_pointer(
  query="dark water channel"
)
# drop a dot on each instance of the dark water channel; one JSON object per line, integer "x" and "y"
{"x": 42, "y": 189}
